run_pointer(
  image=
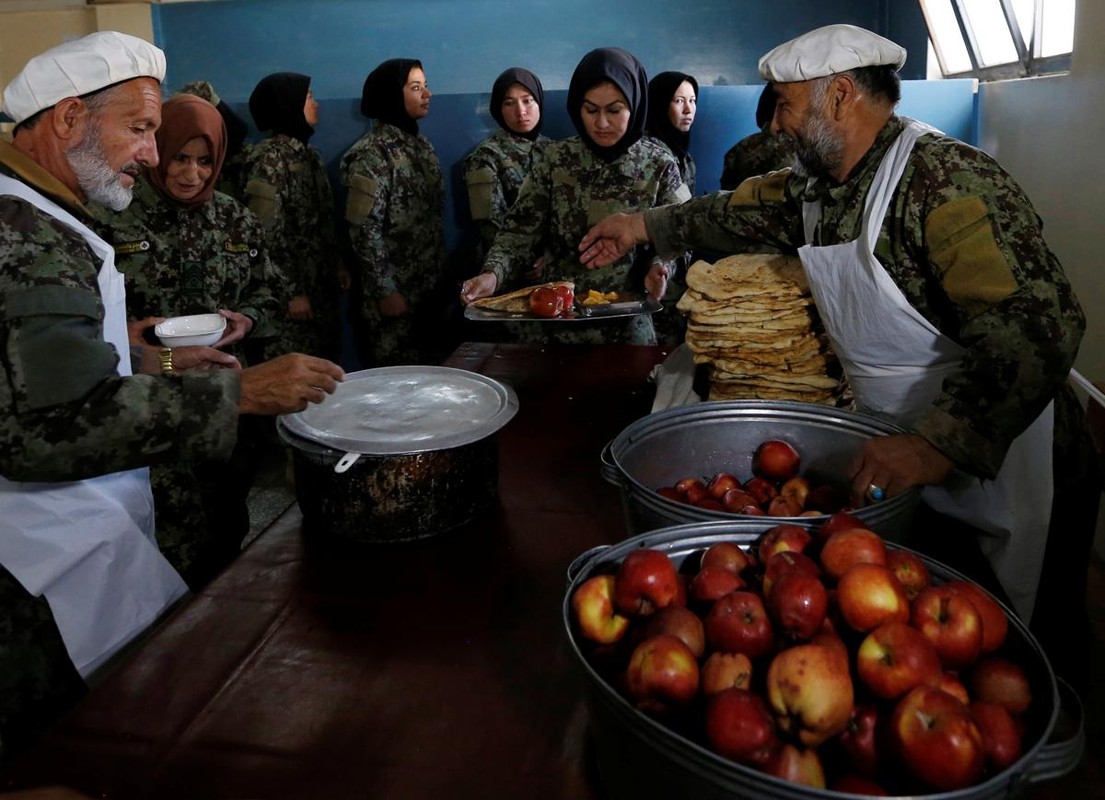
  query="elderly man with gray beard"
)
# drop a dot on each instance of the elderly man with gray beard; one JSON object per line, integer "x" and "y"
{"x": 947, "y": 309}
{"x": 82, "y": 414}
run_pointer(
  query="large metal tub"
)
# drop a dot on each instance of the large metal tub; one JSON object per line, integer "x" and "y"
{"x": 720, "y": 436}
{"x": 640, "y": 758}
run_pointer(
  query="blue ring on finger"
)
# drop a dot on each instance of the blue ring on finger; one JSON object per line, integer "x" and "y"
{"x": 875, "y": 493}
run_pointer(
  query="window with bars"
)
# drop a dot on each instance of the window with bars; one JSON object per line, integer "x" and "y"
{"x": 1000, "y": 39}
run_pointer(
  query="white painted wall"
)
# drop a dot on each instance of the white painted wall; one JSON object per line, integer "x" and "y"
{"x": 1050, "y": 134}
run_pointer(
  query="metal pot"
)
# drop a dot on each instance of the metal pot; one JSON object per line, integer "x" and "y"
{"x": 639, "y": 757}
{"x": 398, "y": 453}
{"x": 720, "y": 436}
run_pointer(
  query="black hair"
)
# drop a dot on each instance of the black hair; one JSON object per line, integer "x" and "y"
{"x": 881, "y": 80}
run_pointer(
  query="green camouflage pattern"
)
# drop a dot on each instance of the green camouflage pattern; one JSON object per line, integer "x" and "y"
{"x": 394, "y": 210}
{"x": 753, "y": 155}
{"x": 289, "y": 192}
{"x": 965, "y": 246}
{"x": 687, "y": 168}
{"x": 193, "y": 261}
{"x": 493, "y": 173}
{"x": 570, "y": 190}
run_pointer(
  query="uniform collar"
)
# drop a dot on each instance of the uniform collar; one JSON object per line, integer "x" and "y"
{"x": 829, "y": 192}
{"x": 30, "y": 172}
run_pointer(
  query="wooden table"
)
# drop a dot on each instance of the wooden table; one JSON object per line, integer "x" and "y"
{"x": 438, "y": 669}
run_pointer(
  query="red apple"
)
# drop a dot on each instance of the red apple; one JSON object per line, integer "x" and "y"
{"x": 776, "y": 461}
{"x": 797, "y": 490}
{"x": 593, "y": 605}
{"x": 752, "y": 510}
{"x": 859, "y": 741}
{"x": 995, "y": 625}
{"x": 951, "y": 684}
{"x": 710, "y": 504}
{"x": 692, "y": 489}
{"x": 711, "y": 583}
{"x": 839, "y": 521}
{"x": 739, "y": 726}
{"x": 725, "y": 671}
{"x": 736, "y": 500}
{"x": 720, "y": 484}
{"x": 784, "y": 536}
{"x": 738, "y": 623}
{"x": 726, "y": 555}
{"x": 844, "y": 549}
{"x": 799, "y": 765}
{"x": 762, "y": 490}
{"x": 797, "y": 605}
{"x": 787, "y": 561}
{"x": 937, "y": 740}
{"x": 809, "y": 689}
{"x": 995, "y": 679}
{"x": 858, "y": 784}
{"x": 783, "y": 507}
{"x": 868, "y": 595}
{"x": 662, "y": 674}
{"x": 894, "y": 658}
{"x": 910, "y": 570}
{"x": 1001, "y": 736}
{"x": 951, "y": 622}
{"x": 646, "y": 581}
{"x": 680, "y": 622}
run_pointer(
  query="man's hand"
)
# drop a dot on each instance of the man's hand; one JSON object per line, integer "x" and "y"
{"x": 299, "y": 307}
{"x": 193, "y": 358}
{"x": 896, "y": 463}
{"x": 393, "y": 305}
{"x": 611, "y": 239}
{"x": 656, "y": 281}
{"x": 482, "y": 285}
{"x": 287, "y": 384}
{"x": 237, "y": 326}
{"x": 136, "y": 330}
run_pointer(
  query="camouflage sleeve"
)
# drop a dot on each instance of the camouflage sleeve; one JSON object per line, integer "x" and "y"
{"x": 268, "y": 190}
{"x": 673, "y": 191}
{"x": 761, "y": 214}
{"x": 67, "y": 414}
{"x": 266, "y": 285}
{"x": 486, "y": 202}
{"x": 1012, "y": 308}
{"x": 366, "y": 207}
{"x": 519, "y": 241}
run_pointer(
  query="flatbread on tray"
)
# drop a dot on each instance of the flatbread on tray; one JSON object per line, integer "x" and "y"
{"x": 516, "y": 302}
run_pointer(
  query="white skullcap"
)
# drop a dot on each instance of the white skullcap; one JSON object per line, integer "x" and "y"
{"x": 827, "y": 51}
{"x": 78, "y": 68}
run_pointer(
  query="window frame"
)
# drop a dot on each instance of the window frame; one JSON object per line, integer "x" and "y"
{"x": 1029, "y": 63}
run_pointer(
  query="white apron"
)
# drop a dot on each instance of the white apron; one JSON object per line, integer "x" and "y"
{"x": 896, "y": 361}
{"x": 88, "y": 546}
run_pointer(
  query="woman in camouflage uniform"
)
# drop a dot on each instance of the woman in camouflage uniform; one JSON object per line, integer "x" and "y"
{"x": 395, "y": 210}
{"x": 608, "y": 167}
{"x": 494, "y": 171}
{"x": 185, "y": 248}
{"x": 289, "y": 191}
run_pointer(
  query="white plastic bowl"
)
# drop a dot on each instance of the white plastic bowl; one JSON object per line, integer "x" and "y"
{"x": 196, "y": 329}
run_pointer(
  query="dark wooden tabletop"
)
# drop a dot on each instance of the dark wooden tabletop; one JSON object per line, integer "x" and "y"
{"x": 434, "y": 669}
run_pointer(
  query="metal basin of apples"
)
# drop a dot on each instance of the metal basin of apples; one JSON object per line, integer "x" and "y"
{"x": 643, "y": 755}
{"x": 704, "y": 439}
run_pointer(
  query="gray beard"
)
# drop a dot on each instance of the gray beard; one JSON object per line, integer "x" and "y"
{"x": 817, "y": 151}
{"x": 99, "y": 182}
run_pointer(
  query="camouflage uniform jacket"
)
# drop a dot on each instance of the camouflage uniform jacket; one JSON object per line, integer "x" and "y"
{"x": 289, "y": 192}
{"x": 570, "y": 190}
{"x": 493, "y": 173}
{"x": 64, "y": 412}
{"x": 191, "y": 261}
{"x": 964, "y": 245}
{"x": 395, "y": 213}
{"x": 754, "y": 155}
{"x": 687, "y": 167}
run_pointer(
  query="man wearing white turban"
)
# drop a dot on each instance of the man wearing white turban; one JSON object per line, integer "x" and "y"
{"x": 946, "y": 308}
{"x": 80, "y": 572}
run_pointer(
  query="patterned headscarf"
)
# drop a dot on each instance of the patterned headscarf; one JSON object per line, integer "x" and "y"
{"x": 276, "y": 105}
{"x": 621, "y": 68}
{"x": 185, "y": 117}
{"x": 382, "y": 96}
{"x": 503, "y": 83}
{"x": 661, "y": 89}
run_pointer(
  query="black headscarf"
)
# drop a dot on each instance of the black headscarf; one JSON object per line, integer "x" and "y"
{"x": 621, "y": 68}
{"x": 524, "y": 78}
{"x": 382, "y": 96}
{"x": 661, "y": 89}
{"x": 277, "y": 105}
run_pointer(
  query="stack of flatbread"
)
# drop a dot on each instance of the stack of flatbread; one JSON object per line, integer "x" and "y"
{"x": 752, "y": 319}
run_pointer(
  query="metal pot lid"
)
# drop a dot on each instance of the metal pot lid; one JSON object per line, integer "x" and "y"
{"x": 407, "y": 409}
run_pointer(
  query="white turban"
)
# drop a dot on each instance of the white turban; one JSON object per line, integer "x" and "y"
{"x": 80, "y": 67}
{"x": 827, "y": 51}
